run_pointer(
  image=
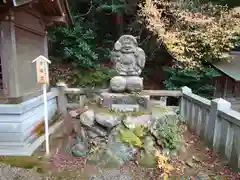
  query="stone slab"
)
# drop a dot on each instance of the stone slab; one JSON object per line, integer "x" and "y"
{"x": 125, "y": 107}
{"x": 129, "y": 99}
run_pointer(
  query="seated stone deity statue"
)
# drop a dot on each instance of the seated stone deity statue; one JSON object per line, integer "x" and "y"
{"x": 128, "y": 60}
{"x": 127, "y": 57}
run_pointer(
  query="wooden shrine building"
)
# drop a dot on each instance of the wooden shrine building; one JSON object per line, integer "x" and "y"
{"x": 228, "y": 85}
{"x": 23, "y": 25}
{"x": 23, "y": 37}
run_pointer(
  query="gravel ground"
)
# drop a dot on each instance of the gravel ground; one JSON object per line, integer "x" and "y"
{"x": 12, "y": 173}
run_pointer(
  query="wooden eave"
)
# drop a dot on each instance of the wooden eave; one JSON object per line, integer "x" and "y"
{"x": 53, "y": 11}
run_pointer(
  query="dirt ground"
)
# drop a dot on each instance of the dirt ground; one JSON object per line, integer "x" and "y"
{"x": 192, "y": 161}
{"x": 195, "y": 159}
{"x": 198, "y": 160}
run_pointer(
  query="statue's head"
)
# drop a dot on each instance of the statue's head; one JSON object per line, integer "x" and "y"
{"x": 126, "y": 44}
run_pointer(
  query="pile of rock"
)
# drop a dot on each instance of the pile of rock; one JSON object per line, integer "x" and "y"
{"x": 102, "y": 132}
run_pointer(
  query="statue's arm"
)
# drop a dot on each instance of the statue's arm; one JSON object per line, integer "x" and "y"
{"x": 115, "y": 56}
{"x": 141, "y": 57}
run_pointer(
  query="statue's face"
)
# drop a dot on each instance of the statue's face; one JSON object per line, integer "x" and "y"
{"x": 128, "y": 46}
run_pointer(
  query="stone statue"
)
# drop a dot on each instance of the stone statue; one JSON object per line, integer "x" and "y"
{"x": 128, "y": 60}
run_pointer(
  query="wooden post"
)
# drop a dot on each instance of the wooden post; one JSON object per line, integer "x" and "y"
{"x": 9, "y": 58}
{"x": 216, "y": 88}
{"x": 62, "y": 106}
{"x": 225, "y": 88}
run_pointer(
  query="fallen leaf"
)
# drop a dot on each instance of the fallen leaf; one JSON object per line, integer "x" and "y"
{"x": 169, "y": 167}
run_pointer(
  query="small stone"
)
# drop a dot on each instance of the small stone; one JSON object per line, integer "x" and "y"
{"x": 159, "y": 142}
{"x": 97, "y": 129}
{"x": 203, "y": 175}
{"x": 107, "y": 120}
{"x": 76, "y": 112}
{"x": 166, "y": 151}
{"x": 147, "y": 160}
{"x": 87, "y": 118}
{"x": 73, "y": 114}
{"x": 92, "y": 134}
{"x": 196, "y": 159}
{"x": 118, "y": 84}
{"x": 189, "y": 163}
{"x": 182, "y": 150}
{"x": 173, "y": 153}
{"x": 79, "y": 149}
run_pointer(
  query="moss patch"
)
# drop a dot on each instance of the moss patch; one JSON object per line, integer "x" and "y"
{"x": 27, "y": 162}
{"x": 108, "y": 111}
{"x": 160, "y": 109}
{"x": 127, "y": 136}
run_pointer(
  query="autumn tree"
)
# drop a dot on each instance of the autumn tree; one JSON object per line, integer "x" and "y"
{"x": 196, "y": 35}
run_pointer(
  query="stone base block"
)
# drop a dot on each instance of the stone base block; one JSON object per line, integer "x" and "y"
{"x": 129, "y": 99}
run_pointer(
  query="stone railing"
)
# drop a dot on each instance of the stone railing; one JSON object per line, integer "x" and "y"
{"x": 215, "y": 123}
{"x": 76, "y": 97}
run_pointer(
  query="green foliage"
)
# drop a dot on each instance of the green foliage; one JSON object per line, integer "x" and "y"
{"x": 199, "y": 80}
{"x": 230, "y": 3}
{"x": 73, "y": 45}
{"x": 170, "y": 133}
{"x": 79, "y": 77}
{"x": 195, "y": 34}
{"x": 88, "y": 42}
{"x": 84, "y": 78}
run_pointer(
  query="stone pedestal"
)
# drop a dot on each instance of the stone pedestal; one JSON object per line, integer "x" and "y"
{"x": 125, "y": 102}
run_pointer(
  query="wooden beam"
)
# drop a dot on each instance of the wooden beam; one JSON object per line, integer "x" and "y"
{"x": 216, "y": 88}
{"x": 225, "y": 87}
{"x": 54, "y": 19}
{"x": 9, "y": 58}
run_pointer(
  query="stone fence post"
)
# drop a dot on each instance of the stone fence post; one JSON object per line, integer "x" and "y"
{"x": 62, "y": 99}
{"x": 183, "y": 108}
{"x": 62, "y": 106}
{"x": 213, "y": 126}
